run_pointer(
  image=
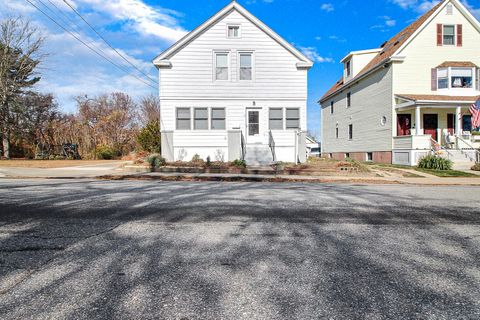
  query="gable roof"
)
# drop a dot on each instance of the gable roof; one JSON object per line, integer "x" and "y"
{"x": 160, "y": 60}
{"x": 388, "y": 49}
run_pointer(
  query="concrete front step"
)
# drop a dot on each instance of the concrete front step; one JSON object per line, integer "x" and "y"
{"x": 258, "y": 155}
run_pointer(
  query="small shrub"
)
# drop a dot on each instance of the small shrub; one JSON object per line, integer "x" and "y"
{"x": 239, "y": 163}
{"x": 435, "y": 163}
{"x": 476, "y": 167}
{"x": 209, "y": 161}
{"x": 197, "y": 161}
{"x": 51, "y": 157}
{"x": 475, "y": 133}
{"x": 156, "y": 161}
{"x": 59, "y": 158}
{"x": 105, "y": 153}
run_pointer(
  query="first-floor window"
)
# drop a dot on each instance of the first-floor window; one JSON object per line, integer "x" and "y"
{"x": 218, "y": 119}
{"x": 350, "y": 131}
{"x": 276, "y": 118}
{"x": 183, "y": 119}
{"x": 331, "y": 107}
{"x": 293, "y": 118}
{"x": 200, "y": 119}
{"x": 467, "y": 123}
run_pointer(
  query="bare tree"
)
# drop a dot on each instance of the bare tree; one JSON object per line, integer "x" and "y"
{"x": 20, "y": 45}
{"x": 149, "y": 110}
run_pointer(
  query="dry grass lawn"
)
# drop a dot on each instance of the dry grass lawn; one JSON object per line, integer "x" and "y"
{"x": 50, "y": 163}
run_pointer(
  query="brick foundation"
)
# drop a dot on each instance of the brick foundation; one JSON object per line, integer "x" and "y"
{"x": 378, "y": 156}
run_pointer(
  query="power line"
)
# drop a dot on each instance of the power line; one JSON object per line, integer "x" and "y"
{"x": 89, "y": 47}
{"x": 105, "y": 40}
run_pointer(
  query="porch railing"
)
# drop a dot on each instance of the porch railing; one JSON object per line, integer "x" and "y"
{"x": 271, "y": 144}
{"x": 470, "y": 147}
{"x": 243, "y": 145}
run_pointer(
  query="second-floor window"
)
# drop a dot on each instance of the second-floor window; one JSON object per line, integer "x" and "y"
{"x": 448, "y": 35}
{"x": 221, "y": 66}
{"x": 331, "y": 107}
{"x": 349, "y": 100}
{"x": 455, "y": 78}
{"x": 245, "y": 66}
{"x": 350, "y": 131}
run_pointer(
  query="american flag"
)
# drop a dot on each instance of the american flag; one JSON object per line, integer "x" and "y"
{"x": 475, "y": 111}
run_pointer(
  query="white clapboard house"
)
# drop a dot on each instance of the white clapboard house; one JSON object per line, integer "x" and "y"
{"x": 233, "y": 89}
{"x": 411, "y": 96}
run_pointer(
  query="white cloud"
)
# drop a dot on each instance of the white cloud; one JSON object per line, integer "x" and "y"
{"x": 387, "y": 23}
{"x": 312, "y": 54}
{"x": 419, "y": 6}
{"x": 144, "y": 19}
{"x": 328, "y": 7}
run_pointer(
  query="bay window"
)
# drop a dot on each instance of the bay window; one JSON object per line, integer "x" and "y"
{"x": 461, "y": 77}
{"x": 455, "y": 78}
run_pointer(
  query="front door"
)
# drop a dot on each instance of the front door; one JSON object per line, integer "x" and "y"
{"x": 451, "y": 124}
{"x": 253, "y": 126}
{"x": 430, "y": 125}
{"x": 404, "y": 124}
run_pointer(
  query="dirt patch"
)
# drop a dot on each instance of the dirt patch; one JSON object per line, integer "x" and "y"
{"x": 45, "y": 164}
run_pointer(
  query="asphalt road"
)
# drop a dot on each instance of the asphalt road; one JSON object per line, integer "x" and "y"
{"x": 152, "y": 250}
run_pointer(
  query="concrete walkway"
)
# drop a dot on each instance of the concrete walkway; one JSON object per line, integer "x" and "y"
{"x": 116, "y": 171}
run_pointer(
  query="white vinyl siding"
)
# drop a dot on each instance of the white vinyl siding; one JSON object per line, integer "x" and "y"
{"x": 183, "y": 119}
{"x": 218, "y": 119}
{"x": 275, "y": 74}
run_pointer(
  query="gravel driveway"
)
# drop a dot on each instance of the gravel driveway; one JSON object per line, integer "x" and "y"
{"x": 151, "y": 250}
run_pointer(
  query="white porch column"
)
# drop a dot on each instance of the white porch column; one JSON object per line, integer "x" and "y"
{"x": 417, "y": 121}
{"x": 458, "y": 120}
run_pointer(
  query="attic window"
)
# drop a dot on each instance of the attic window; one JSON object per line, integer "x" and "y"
{"x": 233, "y": 31}
{"x": 449, "y": 9}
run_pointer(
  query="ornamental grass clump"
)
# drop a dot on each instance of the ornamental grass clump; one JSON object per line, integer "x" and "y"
{"x": 156, "y": 161}
{"x": 432, "y": 162}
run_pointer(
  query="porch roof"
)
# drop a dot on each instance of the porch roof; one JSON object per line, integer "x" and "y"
{"x": 428, "y": 98}
{"x": 458, "y": 64}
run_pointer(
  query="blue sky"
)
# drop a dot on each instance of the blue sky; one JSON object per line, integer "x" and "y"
{"x": 141, "y": 29}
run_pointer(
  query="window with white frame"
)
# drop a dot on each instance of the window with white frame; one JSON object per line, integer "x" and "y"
{"x": 218, "y": 119}
{"x": 246, "y": 66}
{"x": 233, "y": 31}
{"x": 221, "y": 66}
{"x": 183, "y": 119}
{"x": 275, "y": 118}
{"x": 348, "y": 69}
{"x": 200, "y": 119}
{"x": 455, "y": 78}
{"x": 442, "y": 78}
{"x": 461, "y": 77}
{"x": 292, "y": 116}
{"x": 350, "y": 132}
{"x": 449, "y": 35}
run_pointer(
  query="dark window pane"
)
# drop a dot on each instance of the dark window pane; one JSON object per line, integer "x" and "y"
{"x": 218, "y": 124}
{"x": 183, "y": 124}
{"x": 253, "y": 129}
